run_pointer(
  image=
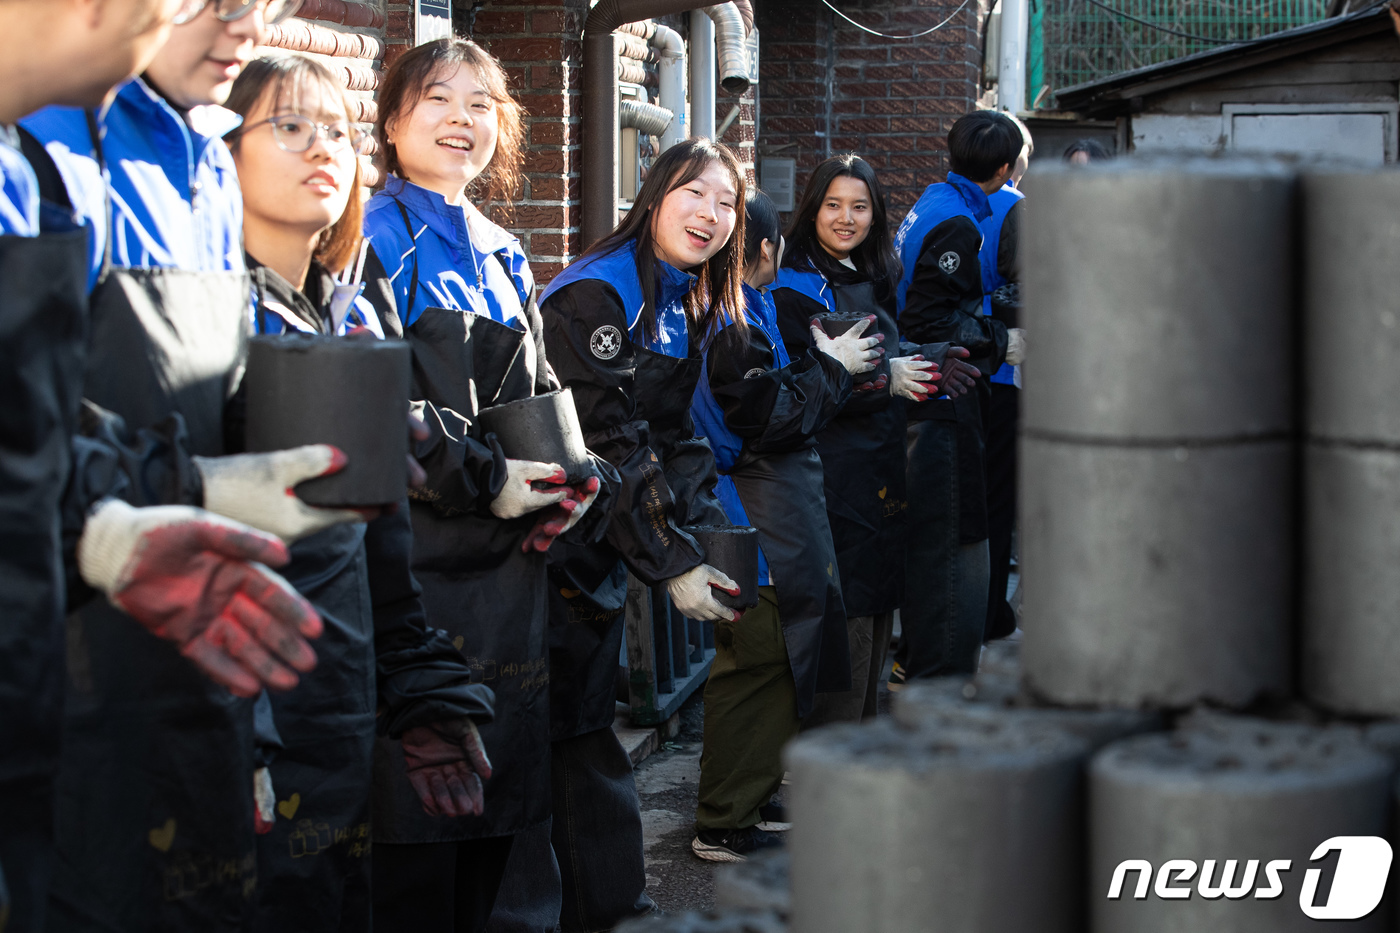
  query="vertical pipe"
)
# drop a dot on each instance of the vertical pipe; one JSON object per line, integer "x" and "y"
{"x": 702, "y": 75}
{"x": 1011, "y": 68}
{"x": 830, "y": 90}
{"x": 670, "y": 73}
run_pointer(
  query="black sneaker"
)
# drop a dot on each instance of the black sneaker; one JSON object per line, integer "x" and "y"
{"x": 772, "y": 818}
{"x": 732, "y": 845}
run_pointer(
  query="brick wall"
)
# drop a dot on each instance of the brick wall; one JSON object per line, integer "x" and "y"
{"x": 891, "y": 102}
{"x": 541, "y": 46}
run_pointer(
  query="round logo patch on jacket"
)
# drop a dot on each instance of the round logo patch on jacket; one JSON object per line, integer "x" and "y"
{"x": 753, "y": 373}
{"x": 605, "y": 342}
{"x": 949, "y": 262}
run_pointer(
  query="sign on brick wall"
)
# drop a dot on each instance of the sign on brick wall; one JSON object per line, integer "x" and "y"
{"x": 433, "y": 20}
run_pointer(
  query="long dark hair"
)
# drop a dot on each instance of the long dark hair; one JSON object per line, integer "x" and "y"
{"x": 761, "y": 223}
{"x": 875, "y": 256}
{"x": 407, "y": 81}
{"x": 717, "y": 298}
{"x": 280, "y": 78}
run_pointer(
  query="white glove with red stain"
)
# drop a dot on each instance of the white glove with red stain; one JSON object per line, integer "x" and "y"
{"x": 857, "y": 353}
{"x": 913, "y": 377}
{"x": 198, "y": 579}
{"x": 446, "y": 764}
{"x": 258, "y": 489}
{"x": 520, "y": 497}
{"x": 691, "y": 593}
{"x": 577, "y": 500}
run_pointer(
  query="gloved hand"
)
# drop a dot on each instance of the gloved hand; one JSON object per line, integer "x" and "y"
{"x": 446, "y": 764}
{"x": 264, "y": 798}
{"x": 691, "y": 593}
{"x": 858, "y": 354}
{"x": 562, "y": 517}
{"x": 257, "y": 490}
{"x": 913, "y": 377}
{"x": 1016, "y": 346}
{"x": 520, "y": 497}
{"x": 958, "y": 377}
{"x": 190, "y": 577}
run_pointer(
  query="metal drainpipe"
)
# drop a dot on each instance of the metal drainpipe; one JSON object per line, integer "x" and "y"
{"x": 702, "y": 75}
{"x": 670, "y": 73}
{"x": 600, "y": 107}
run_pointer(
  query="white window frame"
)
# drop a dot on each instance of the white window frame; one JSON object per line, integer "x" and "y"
{"x": 1388, "y": 109}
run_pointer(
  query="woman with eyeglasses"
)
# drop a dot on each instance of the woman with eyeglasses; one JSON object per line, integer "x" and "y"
{"x": 155, "y": 815}
{"x": 297, "y": 158}
{"x": 464, "y": 295}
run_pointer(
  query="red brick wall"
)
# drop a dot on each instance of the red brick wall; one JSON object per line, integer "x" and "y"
{"x": 541, "y": 46}
{"x": 892, "y": 102}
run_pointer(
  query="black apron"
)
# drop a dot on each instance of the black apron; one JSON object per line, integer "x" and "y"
{"x": 862, "y": 455}
{"x": 43, "y": 333}
{"x": 155, "y": 809}
{"x": 586, "y": 628}
{"x": 479, "y": 587}
{"x": 313, "y": 866}
{"x": 776, "y": 491}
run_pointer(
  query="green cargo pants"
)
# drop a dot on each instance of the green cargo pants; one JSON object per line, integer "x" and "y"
{"x": 750, "y": 714}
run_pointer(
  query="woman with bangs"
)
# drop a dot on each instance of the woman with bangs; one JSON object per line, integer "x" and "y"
{"x": 463, "y": 298}
{"x": 297, "y": 158}
{"x": 626, "y": 326}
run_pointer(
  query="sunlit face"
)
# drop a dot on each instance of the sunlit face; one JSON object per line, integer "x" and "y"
{"x": 449, "y": 136}
{"x": 844, "y": 218}
{"x": 117, "y": 44}
{"x": 203, "y": 58}
{"x": 301, "y": 191}
{"x": 693, "y": 222}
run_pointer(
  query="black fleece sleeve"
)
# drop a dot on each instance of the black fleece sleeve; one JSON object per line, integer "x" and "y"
{"x": 944, "y": 301}
{"x": 641, "y": 521}
{"x": 151, "y": 466}
{"x": 422, "y": 677}
{"x": 773, "y": 409}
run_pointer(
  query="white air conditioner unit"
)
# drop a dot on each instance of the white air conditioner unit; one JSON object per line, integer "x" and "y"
{"x": 778, "y": 179}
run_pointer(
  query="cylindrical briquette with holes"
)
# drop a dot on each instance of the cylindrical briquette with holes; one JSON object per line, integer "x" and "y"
{"x": 1157, "y": 514}
{"x": 762, "y": 883}
{"x": 970, "y": 827}
{"x": 1203, "y": 811}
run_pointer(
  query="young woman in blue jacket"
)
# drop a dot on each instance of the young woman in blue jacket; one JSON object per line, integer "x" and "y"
{"x": 464, "y": 297}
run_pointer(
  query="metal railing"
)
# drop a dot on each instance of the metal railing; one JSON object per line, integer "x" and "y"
{"x": 668, "y": 655}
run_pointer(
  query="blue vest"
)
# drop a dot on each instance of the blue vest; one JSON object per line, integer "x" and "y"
{"x": 619, "y": 269}
{"x": 956, "y": 197}
{"x": 1002, "y": 201}
{"x": 708, "y": 416}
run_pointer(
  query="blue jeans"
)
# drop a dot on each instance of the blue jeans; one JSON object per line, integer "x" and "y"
{"x": 945, "y": 599}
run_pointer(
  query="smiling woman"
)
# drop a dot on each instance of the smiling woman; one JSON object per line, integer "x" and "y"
{"x": 296, "y": 154}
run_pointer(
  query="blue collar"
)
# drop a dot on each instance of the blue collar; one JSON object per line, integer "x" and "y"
{"x": 972, "y": 194}
{"x": 203, "y": 126}
{"x": 460, "y": 226}
{"x": 619, "y": 269}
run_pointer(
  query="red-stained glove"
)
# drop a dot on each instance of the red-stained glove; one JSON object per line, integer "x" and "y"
{"x": 194, "y": 578}
{"x": 554, "y": 522}
{"x": 958, "y": 377}
{"x": 914, "y": 377}
{"x": 446, "y": 764}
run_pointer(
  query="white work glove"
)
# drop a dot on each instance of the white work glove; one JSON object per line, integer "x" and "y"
{"x": 1016, "y": 346}
{"x": 554, "y": 522}
{"x": 519, "y": 497}
{"x": 257, "y": 489}
{"x": 858, "y": 354}
{"x": 197, "y": 579}
{"x": 264, "y": 798}
{"x": 913, "y": 377}
{"x": 691, "y": 593}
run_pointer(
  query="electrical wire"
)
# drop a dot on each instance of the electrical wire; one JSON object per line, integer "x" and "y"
{"x": 1151, "y": 25}
{"x": 883, "y": 35}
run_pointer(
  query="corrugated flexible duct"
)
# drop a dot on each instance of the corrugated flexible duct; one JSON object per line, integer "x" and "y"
{"x": 731, "y": 47}
{"x": 649, "y": 119}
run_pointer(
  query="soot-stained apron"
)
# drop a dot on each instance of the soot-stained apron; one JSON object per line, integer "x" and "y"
{"x": 478, "y": 586}
{"x": 776, "y": 492}
{"x": 43, "y": 340}
{"x": 862, "y": 455}
{"x": 315, "y": 859}
{"x": 154, "y": 816}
